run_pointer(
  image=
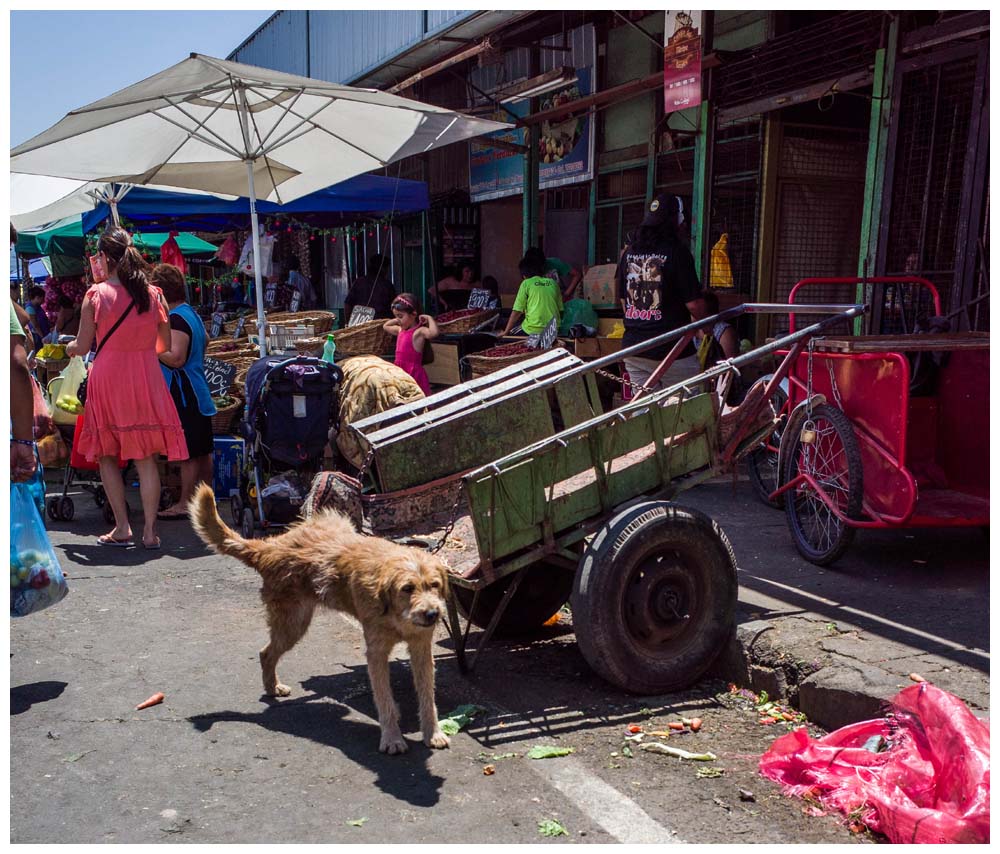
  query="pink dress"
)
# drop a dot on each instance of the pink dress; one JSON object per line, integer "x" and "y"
{"x": 410, "y": 360}
{"x": 129, "y": 411}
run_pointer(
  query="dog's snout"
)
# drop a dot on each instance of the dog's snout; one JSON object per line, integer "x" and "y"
{"x": 432, "y": 614}
{"x": 426, "y": 617}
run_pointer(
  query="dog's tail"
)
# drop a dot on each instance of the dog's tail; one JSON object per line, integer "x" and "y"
{"x": 213, "y": 531}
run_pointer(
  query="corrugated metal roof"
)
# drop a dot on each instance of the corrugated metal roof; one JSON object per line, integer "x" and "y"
{"x": 371, "y": 47}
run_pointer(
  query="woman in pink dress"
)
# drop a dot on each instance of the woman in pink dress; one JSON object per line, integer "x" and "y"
{"x": 129, "y": 413}
{"x": 413, "y": 332}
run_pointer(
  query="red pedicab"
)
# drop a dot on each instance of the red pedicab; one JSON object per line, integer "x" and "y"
{"x": 880, "y": 431}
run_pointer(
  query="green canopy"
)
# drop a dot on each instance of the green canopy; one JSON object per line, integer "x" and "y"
{"x": 67, "y": 239}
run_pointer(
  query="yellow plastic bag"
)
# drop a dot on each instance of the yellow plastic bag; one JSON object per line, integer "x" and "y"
{"x": 618, "y": 330}
{"x": 62, "y": 392}
{"x": 720, "y": 273}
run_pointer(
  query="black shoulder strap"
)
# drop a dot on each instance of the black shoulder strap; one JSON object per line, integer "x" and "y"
{"x": 111, "y": 331}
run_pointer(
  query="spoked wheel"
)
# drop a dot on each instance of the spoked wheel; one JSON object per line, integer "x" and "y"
{"x": 236, "y": 508}
{"x": 762, "y": 464}
{"x": 654, "y": 600}
{"x": 543, "y": 590}
{"x": 246, "y": 524}
{"x": 833, "y": 459}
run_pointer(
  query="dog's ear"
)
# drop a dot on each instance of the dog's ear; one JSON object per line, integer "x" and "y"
{"x": 443, "y": 575}
{"x": 386, "y": 591}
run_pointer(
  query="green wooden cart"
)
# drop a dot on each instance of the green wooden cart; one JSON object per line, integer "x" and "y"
{"x": 546, "y": 498}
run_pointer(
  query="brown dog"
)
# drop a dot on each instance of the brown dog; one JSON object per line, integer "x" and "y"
{"x": 395, "y": 592}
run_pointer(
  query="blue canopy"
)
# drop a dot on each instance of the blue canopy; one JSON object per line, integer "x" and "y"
{"x": 364, "y": 195}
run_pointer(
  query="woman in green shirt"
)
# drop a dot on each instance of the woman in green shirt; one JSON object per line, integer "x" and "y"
{"x": 538, "y": 299}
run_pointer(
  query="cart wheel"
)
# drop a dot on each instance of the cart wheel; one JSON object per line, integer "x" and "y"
{"x": 834, "y": 460}
{"x": 52, "y": 506}
{"x": 66, "y": 508}
{"x": 100, "y": 497}
{"x": 166, "y": 498}
{"x": 246, "y": 524}
{"x": 543, "y": 591}
{"x": 655, "y": 597}
{"x": 236, "y": 508}
{"x": 762, "y": 464}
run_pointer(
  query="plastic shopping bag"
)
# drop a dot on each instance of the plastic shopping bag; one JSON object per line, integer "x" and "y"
{"x": 43, "y": 419}
{"x": 65, "y": 391}
{"x": 577, "y": 311}
{"x": 720, "y": 273}
{"x": 170, "y": 253}
{"x": 920, "y": 774}
{"x": 36, "y": 579}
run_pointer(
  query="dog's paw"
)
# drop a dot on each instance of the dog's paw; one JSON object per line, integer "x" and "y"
{"x": 279, "y": 690}
{"x": 438, "y": 741}
{"x": 392, "y": 744}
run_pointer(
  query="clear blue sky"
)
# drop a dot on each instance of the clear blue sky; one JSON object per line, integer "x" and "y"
{"x": 62, "y": 60}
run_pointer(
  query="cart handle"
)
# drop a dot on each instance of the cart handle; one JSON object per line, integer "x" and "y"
{"x": 869, "y": 280}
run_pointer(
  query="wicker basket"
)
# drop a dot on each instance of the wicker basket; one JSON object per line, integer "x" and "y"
{"x": 242, "y": 354}
{"x": 480, "y": 366}
{"x": 225, "y": 418}
{"x": 321, "y": 321}
{"x": 311, "y": 346}
{"x": 461, "y": 325}
{"x": 365, "y": 339}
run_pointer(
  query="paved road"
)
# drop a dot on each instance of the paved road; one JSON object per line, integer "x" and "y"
{"x": 218, "y": 762}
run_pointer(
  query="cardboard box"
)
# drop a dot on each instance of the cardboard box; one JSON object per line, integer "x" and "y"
{"x": 227, "y": 463}
{"x": 445, "y": 369}
{"x": 601, "y": 345}
{"x": 599, "y": 285}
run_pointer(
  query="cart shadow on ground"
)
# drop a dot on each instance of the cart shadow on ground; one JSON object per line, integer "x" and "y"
{"x": 321, "y": 716}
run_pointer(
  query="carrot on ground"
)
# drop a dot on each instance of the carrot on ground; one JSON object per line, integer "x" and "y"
{"x": 156, "y": 699}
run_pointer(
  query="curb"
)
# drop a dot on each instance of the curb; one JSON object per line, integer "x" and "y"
{"x": 831, "y": 695}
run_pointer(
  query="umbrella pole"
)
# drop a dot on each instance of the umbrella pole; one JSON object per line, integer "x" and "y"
{"x": 258, "y": 290}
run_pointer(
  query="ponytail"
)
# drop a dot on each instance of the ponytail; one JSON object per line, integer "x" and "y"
{"x": 131, "y": 269}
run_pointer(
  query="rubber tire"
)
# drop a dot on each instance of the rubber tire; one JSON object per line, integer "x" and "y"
{"x": 762, "y": 464}
{"x": 612, "y": 565}
{"x": 825, "y": 555}
{"x": 544, "y": 589}
{"x": 66, "y": 509}
{"x": 236, "y": 509}
{"x": 100, "y": 497}
{"x": 52, "y": 507}
{"x": 246, "y": 524}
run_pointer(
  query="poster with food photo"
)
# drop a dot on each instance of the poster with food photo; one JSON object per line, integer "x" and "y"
{"x": 682, "y": 61}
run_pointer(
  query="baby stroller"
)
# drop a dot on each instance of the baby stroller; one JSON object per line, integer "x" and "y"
{"x": 291, "y": 405}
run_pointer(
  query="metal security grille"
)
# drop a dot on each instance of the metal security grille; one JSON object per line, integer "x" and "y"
{"x": 821, "y": 51}
{"x": 736, "y": 199}
{"x": 935, "y": 109}
{"x": 821, "y": 182}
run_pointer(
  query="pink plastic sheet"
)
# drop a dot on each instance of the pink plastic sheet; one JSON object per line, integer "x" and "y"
{"x": 930, "y": 784}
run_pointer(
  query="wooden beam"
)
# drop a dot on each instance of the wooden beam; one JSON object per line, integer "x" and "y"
{"x": 582, "y": 105}
{"x": 455, "y": 58}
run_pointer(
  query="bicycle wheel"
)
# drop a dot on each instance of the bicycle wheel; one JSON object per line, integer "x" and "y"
{"x": 833, "y": 460}
{"x": 762, "y": 464}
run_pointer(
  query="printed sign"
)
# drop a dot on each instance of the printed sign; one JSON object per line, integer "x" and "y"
{"x": 481, "y": 298}
{"x": 295, "y": 301}
{"x": 545, "y": 339}
{"x": 682, "y": 61}
{"x": 361, "y": 314}
{"x": 219, "y": 375}
{"x": 565, "y": 154}
{"x": 270, "y": 293}
{"x": 240, "y": 324}
{"x": 218, "y": 319}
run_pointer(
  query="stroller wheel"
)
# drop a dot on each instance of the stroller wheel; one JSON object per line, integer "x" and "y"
{"x": 246, "y": 524}
{"x": 100, "y": 496}
{"x": 236, "y": 508}
{"x": 52, "y": 506}
{"x": 66, "y": 508}
{"x": 166, "y": 498}
{"x": 109, "y": 514}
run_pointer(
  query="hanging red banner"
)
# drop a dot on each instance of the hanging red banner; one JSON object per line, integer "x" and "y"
{"x": 682, "y": 61}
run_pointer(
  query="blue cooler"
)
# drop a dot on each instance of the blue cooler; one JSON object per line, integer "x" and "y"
{"x": 227, "y": 463}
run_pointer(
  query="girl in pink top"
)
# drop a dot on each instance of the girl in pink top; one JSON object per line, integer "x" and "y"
{"x": 413, "y": 331}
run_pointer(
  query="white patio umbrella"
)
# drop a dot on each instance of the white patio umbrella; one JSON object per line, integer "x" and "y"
{"x": 228, "y": 128}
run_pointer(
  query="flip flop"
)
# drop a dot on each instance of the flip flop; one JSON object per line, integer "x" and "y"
{"x": 154, "y": 547}
{"x": 108, "y": 540}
